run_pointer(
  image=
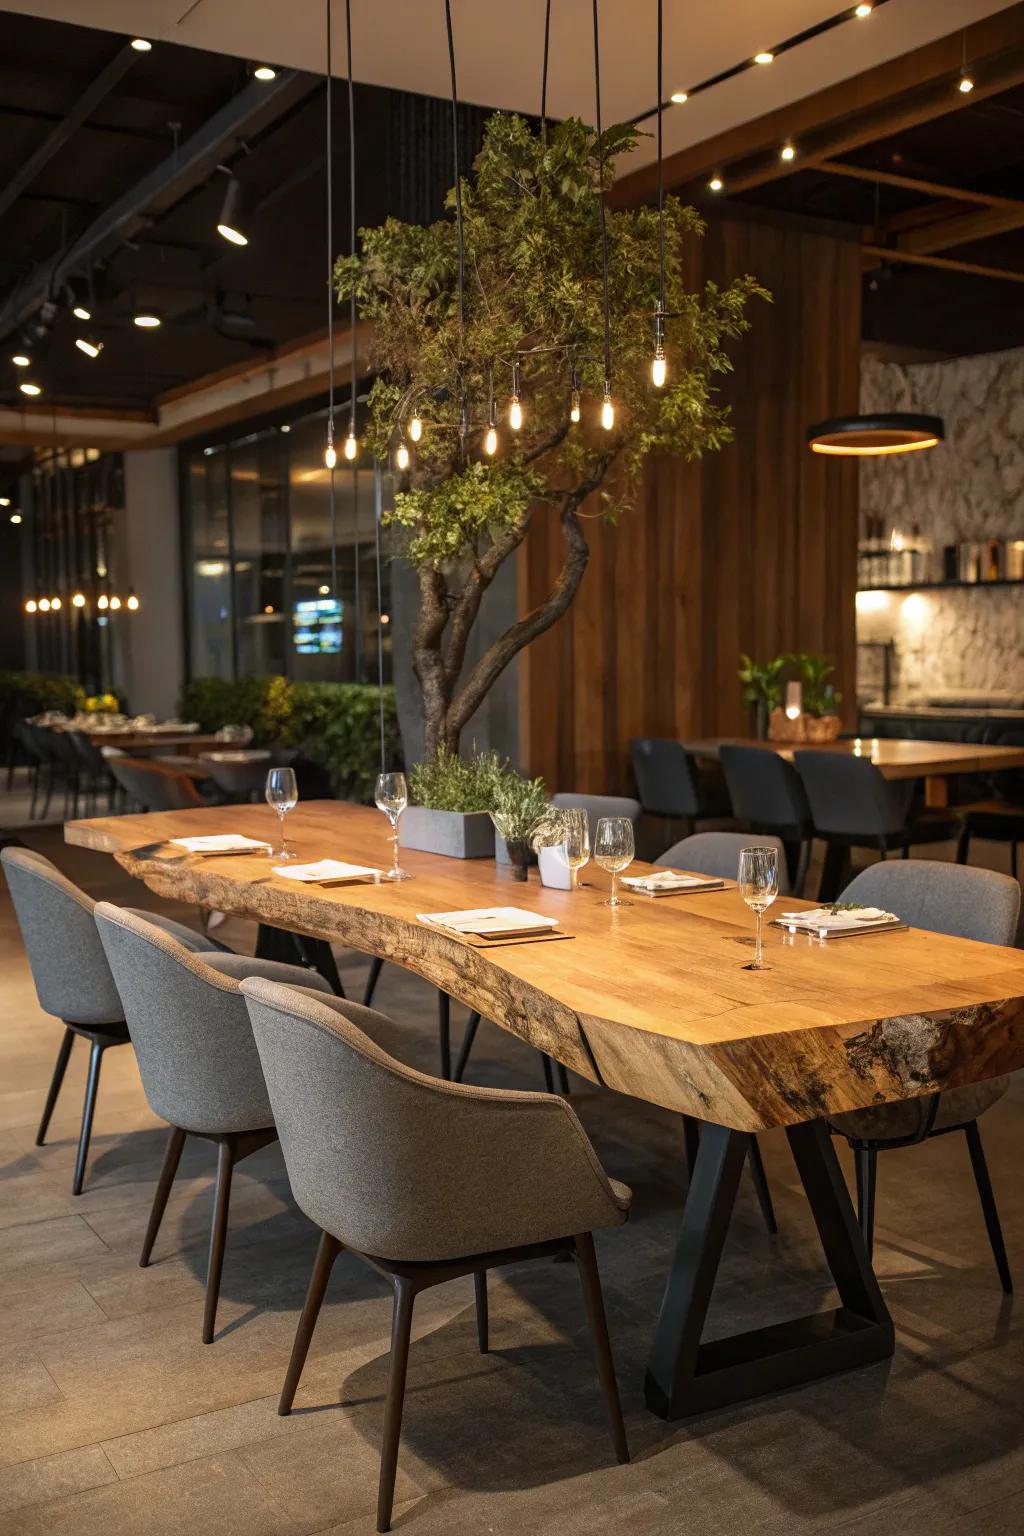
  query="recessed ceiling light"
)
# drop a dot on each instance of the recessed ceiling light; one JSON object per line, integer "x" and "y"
{"x": 764, "y": 57}
{"x": 787, "y": 152}
{"x": 679, "y": 97}
{"x": 81, "y": 313}
{"x": 141, "y": 44}
{"x": 89, "y": 347}
{"x": 28, "y": 388}
{"x": 21, "y": 359}
{"x": 264, "y": 72}
{"x": 147, "y": 320}
{"x": 715, "y": 184}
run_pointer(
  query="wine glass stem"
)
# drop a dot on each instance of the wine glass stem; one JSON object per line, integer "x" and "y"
{"x": 614, "y": 897}
{"x": 574, "y": 877}
{"x": 759, "y": 941}
{"x": 283, "y": 850}
{"x": 394, "y": 845}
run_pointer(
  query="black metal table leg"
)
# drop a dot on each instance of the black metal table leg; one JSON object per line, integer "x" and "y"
{"x": 686, "y": 1376}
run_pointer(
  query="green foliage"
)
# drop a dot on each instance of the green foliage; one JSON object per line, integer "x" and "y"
{"x": 819, "y": 695}
{"x": 531, "y": 214}
{"x": 335, "y": 724}
{"x": 448, "y": 782}
{"x": 23, "y": 694}
{"x": 521, "y": 810}
{"x": 763, "y": 681}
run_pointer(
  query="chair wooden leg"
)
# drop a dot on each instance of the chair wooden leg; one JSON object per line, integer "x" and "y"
{"x": 866, "y": 1161}
{"x": 401, "y": 1326}
{"x": 59, "y": 1068}
{"x": 376, "y": 966}
{"x": 172, "y": 1156}
{"x": 988, "y": 1205}
{"x": 218, "y": 1234}
{"x": 482, "y": 1327}
{"x": 761, "y": 1189}
{"x": 326, "y": 1254}
{"x": 594, "y": 1302}
{"x": 472, "y": 1025}
{"x": 88, "y": 1110}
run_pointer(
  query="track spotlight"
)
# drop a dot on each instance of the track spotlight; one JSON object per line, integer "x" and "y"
{"x": 231, "y": 224}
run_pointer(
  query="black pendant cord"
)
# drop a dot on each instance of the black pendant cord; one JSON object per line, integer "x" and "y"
{"x": 378, "y": 509}
{"x": 358, "y": 658}
{"x": 600, "y": 194}
{"x": 458, "y": 179}
{"x": 331, "y": 455}
{"x": 661, "y": 170}
{"x": 544, "y": 75}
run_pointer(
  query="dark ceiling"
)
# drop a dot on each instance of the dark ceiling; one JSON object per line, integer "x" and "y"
{"x": 221, "y": 305}
{"x": 978, "y": 147}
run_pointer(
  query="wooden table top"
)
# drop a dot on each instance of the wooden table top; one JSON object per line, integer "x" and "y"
{"x": 190, "y": 742}
{"x": 898, "y": 759}
{"x": 652, "y": 999}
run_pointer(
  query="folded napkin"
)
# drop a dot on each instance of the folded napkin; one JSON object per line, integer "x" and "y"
{"x": 666, "y": 880}
{"x": 225, "y": 842}
{"x": 853, "y": 920}
{"x": 326, "y": 872}
{"x": 489, "y": 920}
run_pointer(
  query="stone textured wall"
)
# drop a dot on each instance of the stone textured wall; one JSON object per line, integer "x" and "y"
{"x": 970, "y": 488}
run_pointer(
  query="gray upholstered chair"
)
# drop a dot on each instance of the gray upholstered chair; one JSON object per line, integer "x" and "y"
{"x": 71, "y": 975}
{"x": 768, "y": 794}
{"x": 200, "y": 1071}
{"x": 970, "y": 904}
{"x": 718, "y": 854}
{"x": 156, "y": 786}
{"x": 597, "y": 806}
{"x": 426, "y": 1180}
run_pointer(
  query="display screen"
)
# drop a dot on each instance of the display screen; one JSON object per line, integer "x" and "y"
{"x": 316, "y": 627}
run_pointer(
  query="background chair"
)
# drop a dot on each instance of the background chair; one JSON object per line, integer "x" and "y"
{"x": 854, "y": 806}
{"x": 200, "y": 1071}
{"x": 767, "y": 793}
{"x": 94, "y": 771}
{"x": 71, "y": 975}
{"x": 156, "y": 786}
{"x": 670, "y": 784}
{"x": 718, "y": 854}
{"x": 971, "y": 904}
{"x": 424, "y": 1180}
{"x": 597, "y": 806}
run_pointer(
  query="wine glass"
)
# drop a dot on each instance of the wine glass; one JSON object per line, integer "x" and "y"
{"x": 576, "y": 838}
{"x": 392, "y": 797}
{"x": 282, "y": 793}
{"x": 758, "y": 878}
{"x": 613, "y": 850}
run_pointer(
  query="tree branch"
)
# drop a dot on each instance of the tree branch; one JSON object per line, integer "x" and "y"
{"x": 427, "y": 660}
{"x": 467, "y": 606}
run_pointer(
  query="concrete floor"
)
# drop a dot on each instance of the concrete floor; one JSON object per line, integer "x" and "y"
{"x": 114, "y": 1418}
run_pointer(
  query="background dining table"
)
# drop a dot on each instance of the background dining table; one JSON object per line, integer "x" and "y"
{"x": 653, "y": 1000}
{"x": 934, "y": 761}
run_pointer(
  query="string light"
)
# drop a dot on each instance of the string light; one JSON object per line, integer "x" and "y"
{"x": 965, "y": 83}
{"x": 351, "y": 445}
{"x": 330, "y": 452}
{"x": 81, "y": 313}
{"x": 132, "y": 602}
{"x": 491, "y": 436}
{"x": 607, "y": 409}
{"x": 78, "y": 600}
{"x": 863, "y": 10}
{"x": 679, "y": 97}
{"x": 103, "y": 601}
{"x": 574, "y": 398}
{"x": 402, "y": 456}
{"x": 44, "y": 605}
{"x": 415, "y": 428}
{"x": 115, "y": 603}
{"x": 28, "y": 388}
{"x": 515, "y": 409}
{"x": 31, "y": 605}
{"x": 764, "y": 57}
{"x": 491, "y": 441}
{"x": 16, "y": 518}
{"x": 787, "y": 152}
{"x": 716, "y": 184}
{"x": 658, "y": 365}
{"x": 55, "y": 604}
{"x": 89, "y": 347}
{"x": 21, "y": 360}
{"x": 147, "y": 320}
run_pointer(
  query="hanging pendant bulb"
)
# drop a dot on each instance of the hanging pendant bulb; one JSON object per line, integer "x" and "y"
{"x": 659, "y": 368}
{"x": 415, "y": 428}
{"x": 401, "y": 457}
{"x": 351, "y": 444}
{"x": 491, "y": 441}
{"x": 330, "y": 452}
{"x": 515, "y": 408}
{"x": 574, "y": 406}
{"x": 607, "y": 409}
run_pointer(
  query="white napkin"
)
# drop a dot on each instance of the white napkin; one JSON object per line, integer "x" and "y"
{"x": 824, "y": 918}
{"x": 667, "y": 880}
{"x": 225, "y": 842}
{"x": 326, "y": 869}
{"x": 489, "y": 920}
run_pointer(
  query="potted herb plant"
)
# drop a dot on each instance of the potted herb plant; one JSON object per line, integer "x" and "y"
{"x": 451, "y": 803}
{"x": 522, "y": 815}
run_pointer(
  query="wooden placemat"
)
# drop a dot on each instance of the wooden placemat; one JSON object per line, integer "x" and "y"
{"x": 479, "y": 941}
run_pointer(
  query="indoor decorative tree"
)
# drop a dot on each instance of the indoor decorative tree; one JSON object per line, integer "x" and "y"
{"x": 508, "y": 385}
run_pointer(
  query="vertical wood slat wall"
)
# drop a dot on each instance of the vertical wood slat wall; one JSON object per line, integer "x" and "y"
{"x": 752, "y": 549}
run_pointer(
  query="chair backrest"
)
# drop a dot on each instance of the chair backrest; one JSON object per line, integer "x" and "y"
{"x": 239, "y": 778}
{"x": 944, "y": 898}
{"x": 404, "y": 1166}
{"x": 155, "y": 786}
{"x": 89, "y": 754}
{"x": 69, "y": 969}
{"x": 597, "y": 806}
{"x": 666, "y": 778}
{"x": 189, "y": 1025}
{"x": 849, "y": 796}
{"x": 23, "y": 733}
{"x": 718, "y": 854}
{"x": 765, "y": 790}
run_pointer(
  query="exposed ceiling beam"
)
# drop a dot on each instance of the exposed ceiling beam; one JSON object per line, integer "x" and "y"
{"x": 249, "y": 111}
{"x": 58, "y": 136}
{"x": 963, "y": 229}
{"x": 912, "y": 184}
{"x": 883, "y": 255}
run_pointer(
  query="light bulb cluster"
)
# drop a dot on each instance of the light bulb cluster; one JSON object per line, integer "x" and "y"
{"x": 106, "y": 602}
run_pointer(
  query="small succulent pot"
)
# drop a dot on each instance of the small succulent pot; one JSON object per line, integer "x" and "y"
{"x": 518, "y": 857}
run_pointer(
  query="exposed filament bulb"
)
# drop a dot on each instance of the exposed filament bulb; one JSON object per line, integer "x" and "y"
{"x": 402, "y": 456}
{"x": 351, "y": 446}
{"x": 607, "y": 412}
{"x": 415, "y": 428}
{"x": 659, "y": 368}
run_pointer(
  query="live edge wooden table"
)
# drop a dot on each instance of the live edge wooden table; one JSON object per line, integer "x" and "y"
{"x": 653, "y": 1000}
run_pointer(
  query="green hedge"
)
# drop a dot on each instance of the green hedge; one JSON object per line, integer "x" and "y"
{"x": 30, "y": 693}
{"x": 335, "y": 724}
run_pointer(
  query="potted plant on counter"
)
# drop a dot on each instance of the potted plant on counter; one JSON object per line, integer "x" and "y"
{"x": 821, "y": 722}
{"x": 762, "y": 689}
{"x": 522, "y": 817}
{"x": 452, "y": 799}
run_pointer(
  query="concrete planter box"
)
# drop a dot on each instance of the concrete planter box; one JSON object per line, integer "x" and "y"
{"x": 454, "y": 834}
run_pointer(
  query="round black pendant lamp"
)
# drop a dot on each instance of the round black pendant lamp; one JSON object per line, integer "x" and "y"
{"x": 875, "y": 436}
